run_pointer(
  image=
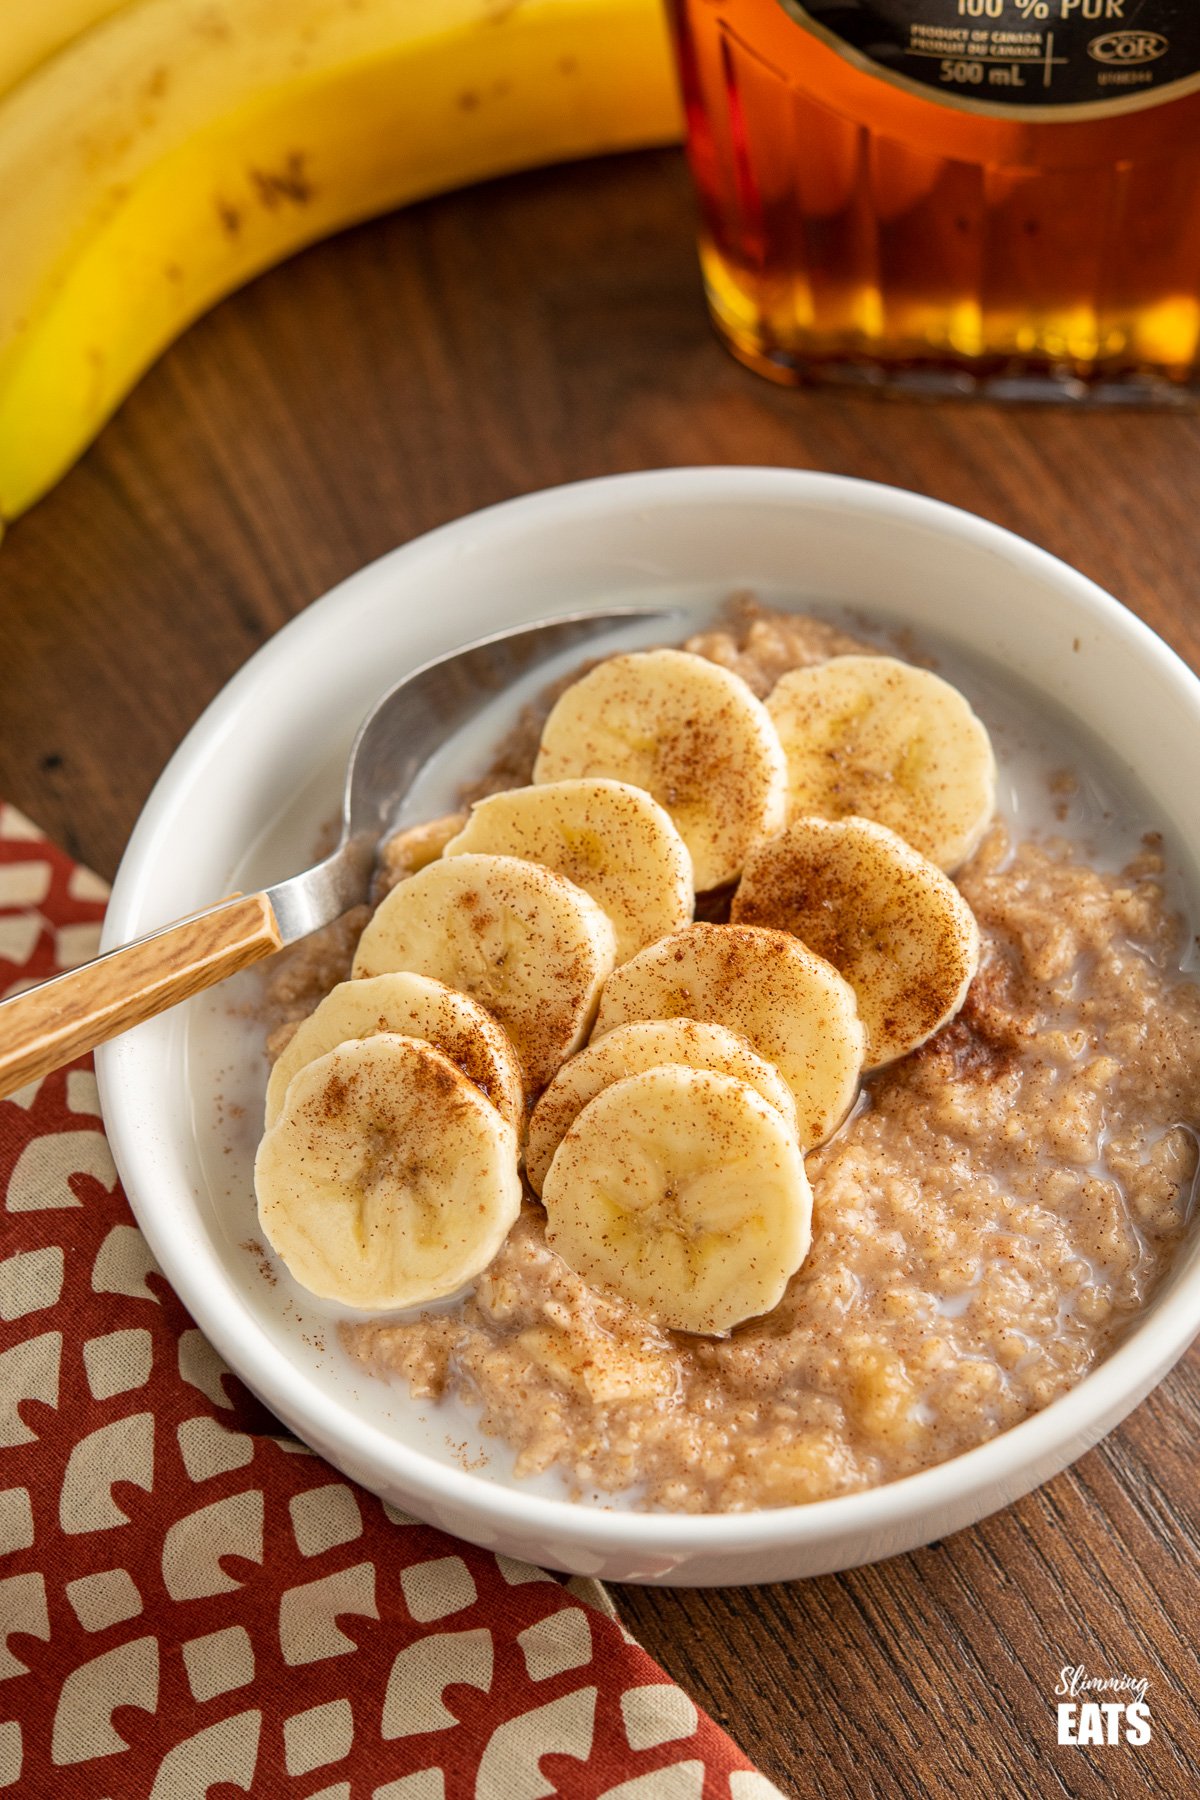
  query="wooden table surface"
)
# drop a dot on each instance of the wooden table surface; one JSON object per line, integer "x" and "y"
{"x": 535, "y": 331}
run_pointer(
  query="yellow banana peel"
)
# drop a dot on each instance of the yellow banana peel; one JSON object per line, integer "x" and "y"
{"x": 30, "y": 33}
{"x": 179, "y": 147}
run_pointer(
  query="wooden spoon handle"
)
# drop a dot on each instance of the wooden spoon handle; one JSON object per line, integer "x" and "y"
{"x": 50, "y": 1025}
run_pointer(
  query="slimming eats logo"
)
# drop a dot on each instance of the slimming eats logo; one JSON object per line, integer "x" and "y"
{"x": 1102, "y": 1709}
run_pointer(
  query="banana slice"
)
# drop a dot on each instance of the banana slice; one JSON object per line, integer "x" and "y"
{"x": 684, "y": 1191}
{"x": 631, "y": 1049}
{"x": 526, "y": 943}
{"x": 414, "y": 1006}
{"x": 387, "y": 1180}
{"x": 612, "y": 840}
{"x": 887, "y": 917}
{"x": 794, "y": 1007}
{"x": 690, "y": 733}
{"x": 407, "y": 852}
{"x": 876, "y": 738}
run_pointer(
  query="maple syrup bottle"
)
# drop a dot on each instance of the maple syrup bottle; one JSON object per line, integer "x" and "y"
{"x": 999, "y": 196}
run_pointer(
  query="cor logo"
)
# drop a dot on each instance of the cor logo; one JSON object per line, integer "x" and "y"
{"x": 1129, "y": 47}
{"x": 1102, "y": 1709}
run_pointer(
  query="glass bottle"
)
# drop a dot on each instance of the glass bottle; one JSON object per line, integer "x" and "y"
{"x": 951, "y": 195}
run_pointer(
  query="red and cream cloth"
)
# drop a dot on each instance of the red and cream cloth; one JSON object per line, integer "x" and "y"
{"x": 192, "y": 1605}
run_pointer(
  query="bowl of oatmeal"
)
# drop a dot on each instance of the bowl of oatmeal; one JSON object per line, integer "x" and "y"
{"x": 1000, "y": 1260}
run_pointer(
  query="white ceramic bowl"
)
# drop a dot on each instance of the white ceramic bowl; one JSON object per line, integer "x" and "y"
{"x": 242, "y": 798}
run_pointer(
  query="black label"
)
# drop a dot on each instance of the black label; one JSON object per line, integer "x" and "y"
{"x": 1019, "y": 53}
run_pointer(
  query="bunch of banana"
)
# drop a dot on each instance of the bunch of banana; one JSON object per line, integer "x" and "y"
{"x": 154, "y": 154}
{"x": 668, "y": 1149}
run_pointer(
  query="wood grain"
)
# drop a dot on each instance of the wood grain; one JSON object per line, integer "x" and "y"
{"x": 534, "y": 331}
{"x": 52, "y": 1024}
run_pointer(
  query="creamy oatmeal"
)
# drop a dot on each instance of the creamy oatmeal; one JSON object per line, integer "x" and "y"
{"x": 998, "y": 1208}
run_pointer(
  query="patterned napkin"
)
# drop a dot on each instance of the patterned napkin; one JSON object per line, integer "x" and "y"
{"x": 190, "y": 1600}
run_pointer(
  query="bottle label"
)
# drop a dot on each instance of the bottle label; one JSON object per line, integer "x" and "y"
{"x": 1055, "y": 56}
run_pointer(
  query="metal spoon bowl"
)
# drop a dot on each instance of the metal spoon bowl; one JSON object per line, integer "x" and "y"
{"x": 53, "y": 1023}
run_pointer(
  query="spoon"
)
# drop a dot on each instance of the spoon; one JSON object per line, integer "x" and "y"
{"x": 49, "y": 1025}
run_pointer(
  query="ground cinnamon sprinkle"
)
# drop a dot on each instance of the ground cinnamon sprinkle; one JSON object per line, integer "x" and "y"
{"x": 876, "y": 910}
{"x": 253, "y": 1247}
{"x": 997, "y": 1210}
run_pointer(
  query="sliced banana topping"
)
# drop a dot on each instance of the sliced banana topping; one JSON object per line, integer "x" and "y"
{"x": 684, "y": 1191}
{"x": 387, "y": 1180}
{"x": 407, "y": 852}
{"x": 878, "y": 739}
{"x": 631, "y": 1049}
{"x": 614, "y": 841}
{"x": 413, "y": 1006}
{"x": 794, "y": 1007}
{"x": 528, "y": 944}
{"x": 887, "y": 917}
{"x": 688, "y": 731}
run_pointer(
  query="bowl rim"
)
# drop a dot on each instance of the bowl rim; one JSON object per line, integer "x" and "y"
{"x": 1084, "y": 1414}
